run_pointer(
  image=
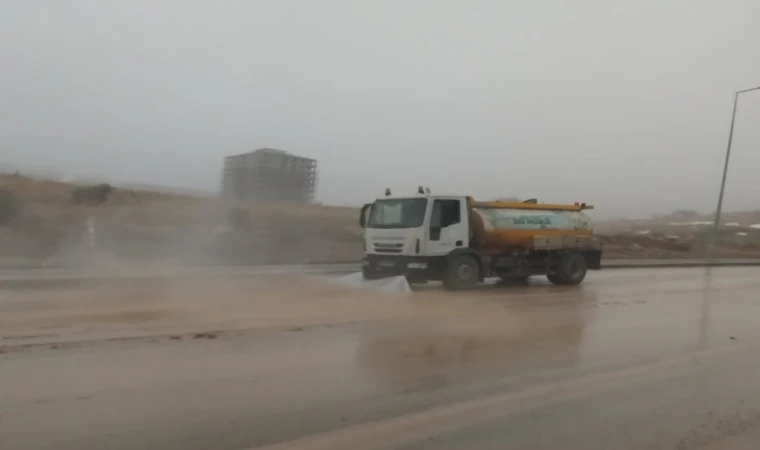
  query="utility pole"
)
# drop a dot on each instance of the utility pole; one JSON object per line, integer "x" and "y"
{"x": 714, "y": 233}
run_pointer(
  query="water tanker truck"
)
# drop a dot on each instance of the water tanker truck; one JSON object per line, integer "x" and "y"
{"x": 460, "y": 241}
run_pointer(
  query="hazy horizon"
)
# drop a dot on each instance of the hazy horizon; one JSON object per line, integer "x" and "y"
{"x": 625, "y": 108}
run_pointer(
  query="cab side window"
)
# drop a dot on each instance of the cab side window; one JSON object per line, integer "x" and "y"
{"x": 449, "y": 213}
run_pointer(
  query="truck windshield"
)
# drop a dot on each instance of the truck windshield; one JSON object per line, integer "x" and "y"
{"x": 397, "y": 213}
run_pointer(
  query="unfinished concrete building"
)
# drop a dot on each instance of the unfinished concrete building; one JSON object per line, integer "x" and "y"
{"x": 270, "y": 175}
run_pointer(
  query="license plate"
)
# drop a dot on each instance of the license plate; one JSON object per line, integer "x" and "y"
{"x": 385, "y": 264}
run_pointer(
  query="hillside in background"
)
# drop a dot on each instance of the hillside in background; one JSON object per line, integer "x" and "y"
{"x": 45, "y": 220}
{"x": 64, "y": 224}
{"x": 739, "y": 234}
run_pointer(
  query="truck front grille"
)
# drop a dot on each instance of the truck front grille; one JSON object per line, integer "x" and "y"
{"x": 389, "y": 248}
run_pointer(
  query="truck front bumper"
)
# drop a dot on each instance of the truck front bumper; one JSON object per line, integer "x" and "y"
{"x": 415, "y": 267}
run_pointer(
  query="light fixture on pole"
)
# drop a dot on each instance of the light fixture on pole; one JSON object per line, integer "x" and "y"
{"x": 714, "y": 233}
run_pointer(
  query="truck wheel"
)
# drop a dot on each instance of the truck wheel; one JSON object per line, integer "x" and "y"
{"x": 462, "y": 273}
{"x": 571, "y": 270}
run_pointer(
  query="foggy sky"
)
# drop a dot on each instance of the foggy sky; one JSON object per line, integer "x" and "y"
{"x": 622, "y": 104}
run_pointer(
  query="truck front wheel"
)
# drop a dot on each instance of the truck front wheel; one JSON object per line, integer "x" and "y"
{"x": 570, "y": 270}
{"x": 462, "y": 273}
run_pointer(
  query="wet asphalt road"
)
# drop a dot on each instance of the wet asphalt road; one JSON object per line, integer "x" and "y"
{"x": 644, "y": 359}
{"x": 10, "y": 276}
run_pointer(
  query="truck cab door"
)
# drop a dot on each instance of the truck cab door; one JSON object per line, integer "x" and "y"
{"x": 447, "y": 226}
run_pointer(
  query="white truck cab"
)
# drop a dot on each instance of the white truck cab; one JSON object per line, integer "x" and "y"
{"x": 412, "y": 226}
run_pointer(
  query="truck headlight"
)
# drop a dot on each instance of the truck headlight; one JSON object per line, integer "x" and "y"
{"x": 417, "y": 265}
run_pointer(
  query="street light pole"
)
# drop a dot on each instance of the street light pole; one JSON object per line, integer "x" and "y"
{"x": 714, "y": 234}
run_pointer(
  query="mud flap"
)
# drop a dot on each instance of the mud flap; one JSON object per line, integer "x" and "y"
{"x": 390, "y": 284}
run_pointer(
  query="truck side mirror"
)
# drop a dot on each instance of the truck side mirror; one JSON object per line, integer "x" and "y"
{"x": 362, "y": 217}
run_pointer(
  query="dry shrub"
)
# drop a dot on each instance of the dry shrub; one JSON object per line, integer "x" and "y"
{"x": 11, "y": 207}
{"x": 91, "y": 195}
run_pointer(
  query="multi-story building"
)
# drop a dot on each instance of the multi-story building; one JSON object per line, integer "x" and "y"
{"x": 270, "y": 175}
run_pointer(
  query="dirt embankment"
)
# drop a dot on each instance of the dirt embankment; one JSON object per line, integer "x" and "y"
{"x": 49, "y": 223}
{"x": 658, "y": 246}
{"x": 52, "y": 223}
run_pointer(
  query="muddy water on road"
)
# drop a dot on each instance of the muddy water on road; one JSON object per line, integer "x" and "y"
{"x": 639, "y": 359}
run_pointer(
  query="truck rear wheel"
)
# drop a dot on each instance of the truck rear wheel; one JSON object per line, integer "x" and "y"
{"x": 571, "y": 270}
{"x": 462, "y": 273}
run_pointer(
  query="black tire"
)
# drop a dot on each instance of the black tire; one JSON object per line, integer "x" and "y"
{"x": 571, "y": 270}
{"x": 554, "y": 278}
{"x": 462, "y": 273}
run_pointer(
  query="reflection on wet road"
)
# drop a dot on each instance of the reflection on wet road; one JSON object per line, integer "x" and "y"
{"x": 632, "y": 359}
